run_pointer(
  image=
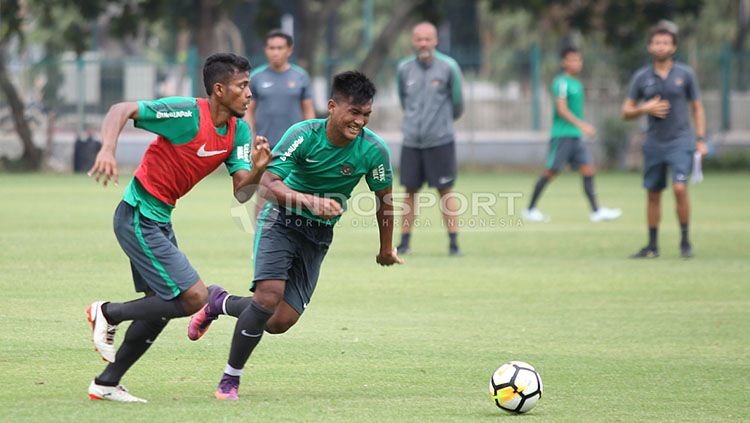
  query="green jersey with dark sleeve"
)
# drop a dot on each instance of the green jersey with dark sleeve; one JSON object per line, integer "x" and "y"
{"x": 307, "y": 162}
{"x": 570, "y": 89}
{"x": 177, "y": 120}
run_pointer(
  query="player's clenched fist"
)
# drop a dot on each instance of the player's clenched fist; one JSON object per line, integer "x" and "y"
{"x": 326, "y": 208}
{"x": 389, "y": 258}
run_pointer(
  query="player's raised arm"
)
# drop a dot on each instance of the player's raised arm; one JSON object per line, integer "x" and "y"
{"x": 246, "y": 182}
{"x": 115, "y": 119}
{"x": 387, "y": 255}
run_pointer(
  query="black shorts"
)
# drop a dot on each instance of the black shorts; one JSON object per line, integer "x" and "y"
{"x": 155, "y": 261}
{"x": 567, "y": 150}
{"x": 435, "y": 165}
{"x": 290, "y": 247}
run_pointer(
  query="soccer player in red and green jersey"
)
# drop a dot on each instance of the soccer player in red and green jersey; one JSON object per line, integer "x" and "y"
{"x": 194, "y": 137}
{"x": 315, "y": 167}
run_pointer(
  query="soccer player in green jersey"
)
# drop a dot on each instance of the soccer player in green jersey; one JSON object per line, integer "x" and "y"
{"x": 313, "y": 171}
{"x": 194, "y": 137}
{"x": 566, "y": 145}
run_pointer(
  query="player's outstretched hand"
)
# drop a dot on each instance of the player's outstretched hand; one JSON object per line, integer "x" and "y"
{"x": 325, "y": 208}
{"x": 105, "y": 166}
{"x": 389, "y": 259}
{"x": 260, "y": 152}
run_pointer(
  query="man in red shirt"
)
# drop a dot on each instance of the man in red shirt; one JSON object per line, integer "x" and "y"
{"x": 194, "y": 137}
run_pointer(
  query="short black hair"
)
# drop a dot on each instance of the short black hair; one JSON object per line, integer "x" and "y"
{"x": 353, "y": 86}
{"x": 661, "y": 30}
{"x": 568, "y": 50}
{"x": 220, "y": 66}
{"x": 277, "y": 33}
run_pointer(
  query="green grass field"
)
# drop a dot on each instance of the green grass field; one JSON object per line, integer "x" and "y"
{"x": 614, "y": 339}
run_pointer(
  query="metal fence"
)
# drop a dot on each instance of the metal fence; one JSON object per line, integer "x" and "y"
{"x": 501, "y": 95}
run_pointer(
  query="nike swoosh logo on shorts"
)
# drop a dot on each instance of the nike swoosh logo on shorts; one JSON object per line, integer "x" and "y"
{"x": 312, "y": 161}
{"x": 203, "y": 153}
{"x": 249, "y": 335}
{"x": 444, "y": 180}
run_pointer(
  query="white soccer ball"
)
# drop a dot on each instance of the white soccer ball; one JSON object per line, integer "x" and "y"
{"x": 516, "y": 387}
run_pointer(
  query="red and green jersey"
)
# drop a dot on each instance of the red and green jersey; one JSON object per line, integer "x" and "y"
{"x": 307, "y": 162}
{"x": 187, "y": 148}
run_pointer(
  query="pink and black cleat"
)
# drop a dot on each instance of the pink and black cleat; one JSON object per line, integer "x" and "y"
{"x": 201, "y": 320}
{"x": 228, "y": 388}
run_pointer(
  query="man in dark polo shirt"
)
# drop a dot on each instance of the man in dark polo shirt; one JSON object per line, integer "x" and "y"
{"x": 667, "y": 92}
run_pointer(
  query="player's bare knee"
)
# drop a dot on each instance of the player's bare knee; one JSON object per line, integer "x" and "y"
{"x": 268, "y": 299}
{"x": 679, "y": 189}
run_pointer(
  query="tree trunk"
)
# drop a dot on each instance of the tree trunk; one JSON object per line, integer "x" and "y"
{"x": 743, "y": 21}
{"x": 32, "y": 155}
{"x": 50, "y": 132}
{"x": 400, "y": 19}
{"x": 309, "y": 22}
{"x": 205, "y": 41}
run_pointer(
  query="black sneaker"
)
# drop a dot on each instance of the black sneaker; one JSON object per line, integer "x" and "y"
{"x": 403, "y": 250}
{"x": 647, "y": 253}
{"x": 454, "y": 251}
{"x": 686, "y": 250}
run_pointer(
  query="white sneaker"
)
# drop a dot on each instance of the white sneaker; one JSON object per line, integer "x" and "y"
{"x": 111, "y": 393}
{"x": 102, "y": 333}
{"x": 534, "y": 215}
{"x": 605, "y": 214}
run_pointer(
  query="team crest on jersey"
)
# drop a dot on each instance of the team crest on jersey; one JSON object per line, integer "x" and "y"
{"x": 346, "y": 169}
{"x": 436, "y": 82}
{"x": 292, "y": 83}
{"x": 679, "y": 81}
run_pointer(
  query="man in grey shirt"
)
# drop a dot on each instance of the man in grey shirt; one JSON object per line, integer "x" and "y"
{"x": 668, "y": 93}
{"x": 429, "y": 87}
{"x": 281, "y": 91}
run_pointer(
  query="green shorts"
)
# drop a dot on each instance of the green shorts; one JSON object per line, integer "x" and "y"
{"x": 156, "y": 262}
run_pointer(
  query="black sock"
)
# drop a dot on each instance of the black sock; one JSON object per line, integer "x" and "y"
{"x": 247, "y": 333}
{"x": 652, "y": 232}
{"x": 453, "y": 240}
{"x": 588, "y": 187}
{"x": 138, "y": 338}
{"x": 538, "y": 188}
{"x": 234, "y": 306}
{"x": 405, "y": 238}
{"x": 684, "y": 234}
{"x": 147, "y": 308}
